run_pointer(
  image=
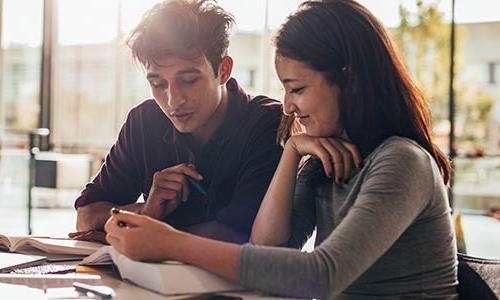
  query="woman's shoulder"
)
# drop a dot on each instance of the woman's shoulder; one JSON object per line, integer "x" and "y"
{"x": 402, "y": 148}
{"x": 403, "y": 157}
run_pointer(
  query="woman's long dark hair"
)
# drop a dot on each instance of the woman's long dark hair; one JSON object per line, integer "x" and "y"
{"x": 345, "y": 42}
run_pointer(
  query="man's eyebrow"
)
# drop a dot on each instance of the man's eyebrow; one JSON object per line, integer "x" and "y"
{"x": 189, "y": 70}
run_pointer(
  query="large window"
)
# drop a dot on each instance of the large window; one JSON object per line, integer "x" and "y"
{"x": 94, "y": 81}
{"x": 478, "y": 106}
{"x": 20, "y": 59}
{"x": 85, "y": 57}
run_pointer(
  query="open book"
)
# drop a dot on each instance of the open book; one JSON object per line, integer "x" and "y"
{"x": 167, "y": 278}
{"x": 28, "y": 244}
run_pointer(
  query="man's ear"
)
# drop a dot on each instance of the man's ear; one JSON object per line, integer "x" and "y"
{"x": 225, "y": 69}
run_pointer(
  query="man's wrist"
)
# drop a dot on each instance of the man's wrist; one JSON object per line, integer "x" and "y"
{"x": 134, "y": 207}
{"x": 152, "y": 212}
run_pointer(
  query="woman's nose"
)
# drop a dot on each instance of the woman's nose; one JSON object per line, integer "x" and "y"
{"x": 289, "y": 107}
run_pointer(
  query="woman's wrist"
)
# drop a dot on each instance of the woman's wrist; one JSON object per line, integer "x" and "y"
{"x": 290, "y": 148}
{"x": 173, "y": 242}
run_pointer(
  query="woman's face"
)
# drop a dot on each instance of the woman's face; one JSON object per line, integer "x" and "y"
{"x": 310, "y": 97}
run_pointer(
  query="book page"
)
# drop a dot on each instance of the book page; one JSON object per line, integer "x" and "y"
{"x": 15, "y": 239}
{"x": 57, "y": 246}
{"x": 170, "y": 277}
{"x": 99, "y": 257}
{"x": 4, "y": 242}
{"x": 8, "y": 241}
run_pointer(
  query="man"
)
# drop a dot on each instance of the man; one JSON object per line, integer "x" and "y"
{"x": 202, "y": 152}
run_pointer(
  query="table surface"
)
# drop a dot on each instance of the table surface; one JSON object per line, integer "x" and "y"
{"x": 125, "y": 290}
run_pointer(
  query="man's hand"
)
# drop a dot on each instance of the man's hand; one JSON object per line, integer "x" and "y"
{"x": 168, "y": 189}
{"x": 89, "y": 235}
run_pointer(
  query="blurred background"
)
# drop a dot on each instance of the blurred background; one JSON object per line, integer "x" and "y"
{"x": 64, "y": 67}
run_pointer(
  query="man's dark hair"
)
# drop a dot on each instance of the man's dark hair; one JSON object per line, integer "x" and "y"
{"x": 182, "y": 28}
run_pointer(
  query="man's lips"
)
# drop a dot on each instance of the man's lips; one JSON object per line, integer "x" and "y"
{"x": 184, "y": 116}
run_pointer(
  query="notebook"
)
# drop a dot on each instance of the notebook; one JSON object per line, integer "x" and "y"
{"x": 167, "y": 278}
{"x": 48, "y": 245}
{"x": 10, "y": 261}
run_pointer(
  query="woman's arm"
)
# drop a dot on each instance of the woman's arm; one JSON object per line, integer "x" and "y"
{"x": 146, "y": 239}
{"x": 272, "y": 224}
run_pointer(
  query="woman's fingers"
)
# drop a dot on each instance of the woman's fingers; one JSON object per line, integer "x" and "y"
{"x": 356, "y": 156}
{"x": 324, "y": 157}
{"x": 113, "y": 240}
{"x": 346, "y": 158}
{"x": 127, "y": 218}
{"x": 341, "y": 154}
{"x": 335, "y": 157}
{"x": 121, "y": 219}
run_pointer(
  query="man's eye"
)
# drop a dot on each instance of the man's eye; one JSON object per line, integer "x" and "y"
{"x": 189, "y": 80}
{"x": 297, "y": 90}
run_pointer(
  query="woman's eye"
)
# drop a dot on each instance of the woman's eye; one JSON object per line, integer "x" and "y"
{"x": 297, "y": 90}
{"x": 156, "y": 85}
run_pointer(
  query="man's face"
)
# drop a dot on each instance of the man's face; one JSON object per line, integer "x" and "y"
{"x": 187, "y": 91}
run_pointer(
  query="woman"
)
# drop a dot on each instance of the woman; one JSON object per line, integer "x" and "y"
{"x": 383, "y": 229}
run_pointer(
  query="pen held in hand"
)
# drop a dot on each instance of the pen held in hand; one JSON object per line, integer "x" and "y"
{"x": 196, "y": 185}
{"x": 116, "y": 211}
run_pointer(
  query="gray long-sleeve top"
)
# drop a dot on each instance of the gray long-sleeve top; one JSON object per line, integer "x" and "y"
{"x": 385, "y": 233}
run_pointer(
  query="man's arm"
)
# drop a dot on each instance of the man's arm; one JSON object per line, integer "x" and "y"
{"x": 118, "y": 182}
{"x": 218, "y": 231}
{"x": 94, "y": 215}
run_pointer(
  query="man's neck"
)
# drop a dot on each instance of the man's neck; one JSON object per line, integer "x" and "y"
{"x": 201, "y": 137}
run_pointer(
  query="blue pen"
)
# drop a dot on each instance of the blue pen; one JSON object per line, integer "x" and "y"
{"x": 193, "y": 183}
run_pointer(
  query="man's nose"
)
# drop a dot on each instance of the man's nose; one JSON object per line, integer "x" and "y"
{"x": 175, "y": 98}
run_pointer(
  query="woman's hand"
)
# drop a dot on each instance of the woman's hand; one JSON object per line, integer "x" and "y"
{"x": 139, "y": 237}
{"x": 336, "y": 154}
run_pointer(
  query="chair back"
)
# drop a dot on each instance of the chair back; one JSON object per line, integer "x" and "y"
{"x": 478, "y": 278}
